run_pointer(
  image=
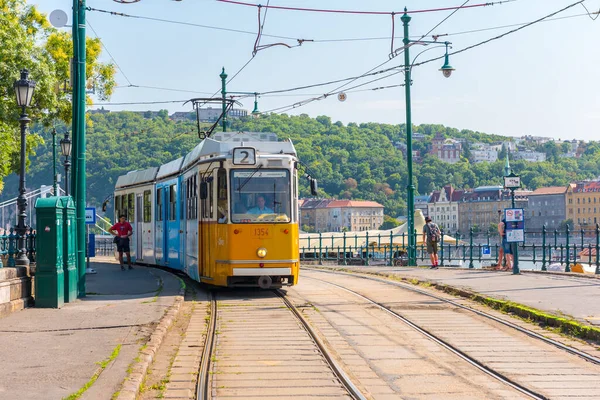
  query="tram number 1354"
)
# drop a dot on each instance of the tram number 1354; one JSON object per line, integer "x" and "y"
{"x": 261, "y": 232}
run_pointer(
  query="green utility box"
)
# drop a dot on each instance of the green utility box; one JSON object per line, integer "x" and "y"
{"x": 56, "y": 276}
{"x": 69, "y": 248}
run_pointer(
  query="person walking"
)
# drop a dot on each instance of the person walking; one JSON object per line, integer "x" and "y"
{"x": 505, "y": 246}
{"x": 122, "y": 231}
{"x": 432, "y": 236}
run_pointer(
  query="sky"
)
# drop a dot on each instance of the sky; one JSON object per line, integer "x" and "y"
{"x": 541, "y": 80}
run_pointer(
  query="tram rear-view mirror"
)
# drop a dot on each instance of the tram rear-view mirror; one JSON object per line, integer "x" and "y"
{"x": 203, "y": 190}
{"x": 314, "y": 187}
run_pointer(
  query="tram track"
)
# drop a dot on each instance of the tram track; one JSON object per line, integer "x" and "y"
{"x": 489, "y": 371}
{"x": 203, "y": 388}
{"x": 535, "y": 335}
{"x": 514, "y": 361}
{"x": 236, "y": 362}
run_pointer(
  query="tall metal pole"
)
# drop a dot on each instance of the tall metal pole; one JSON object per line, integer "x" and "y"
{"x": 223, "y": 76}
{"x": 410, "y": 188}
{"x": 55, "y": 185}
{"x": 79, "y": 168}
{"x": 22, "y": 259}
{"x": 516, "y": 245}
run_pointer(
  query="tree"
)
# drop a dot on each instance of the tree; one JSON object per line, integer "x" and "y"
{"x": 389, "y": 223}
{"x": 562, "y": 227}
{"x": 493, "y": 228}
{"x": 28, "y": 41}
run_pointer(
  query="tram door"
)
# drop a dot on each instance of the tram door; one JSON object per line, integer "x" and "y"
{"x": 206, "y": 213}
{"x": 139, "y": 228}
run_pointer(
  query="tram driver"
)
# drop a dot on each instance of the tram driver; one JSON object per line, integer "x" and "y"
{"x": 260, "y": 207}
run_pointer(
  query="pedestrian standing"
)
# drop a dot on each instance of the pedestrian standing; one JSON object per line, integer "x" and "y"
{"x": 501, "y": 247}
{"x": 432, "y": 236}
{"x": 122, "y": 230}
{"x": 505, "y": 246}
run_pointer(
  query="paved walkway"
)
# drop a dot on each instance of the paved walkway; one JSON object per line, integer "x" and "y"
{"x": 570, "y": 295}
{"x": 50, "y": 354}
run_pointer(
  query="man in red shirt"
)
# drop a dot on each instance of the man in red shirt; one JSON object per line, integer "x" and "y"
{"x": 123, "y": 231}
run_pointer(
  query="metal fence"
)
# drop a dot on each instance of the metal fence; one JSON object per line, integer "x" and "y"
{"x": 9, "y": 248}
{"x": 541, "y": 250}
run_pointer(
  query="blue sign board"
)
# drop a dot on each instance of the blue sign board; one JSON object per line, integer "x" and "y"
{"x": 486, "y": 251}
{"x": 90, "y": 215}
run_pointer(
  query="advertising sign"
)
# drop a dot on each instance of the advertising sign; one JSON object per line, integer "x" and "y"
{"x": 515, "y": 225}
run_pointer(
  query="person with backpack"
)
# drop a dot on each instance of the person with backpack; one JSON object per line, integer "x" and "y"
{"x": 432, "y": 236}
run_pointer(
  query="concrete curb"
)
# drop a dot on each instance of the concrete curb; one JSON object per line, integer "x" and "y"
{"x": 133, "y": 382}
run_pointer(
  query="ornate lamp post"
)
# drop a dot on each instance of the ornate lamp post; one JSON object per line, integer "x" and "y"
{"x": 24, "y": 89}
{"x": 55, "y": 185}
{"x": 65, "y": 147}
{"x": 410, "y": 203}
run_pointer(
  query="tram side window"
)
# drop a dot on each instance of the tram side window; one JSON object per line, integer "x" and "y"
{"x": 222, "y": 204}
{"x": 117, "y": 207}
{"x": 147, "y": 206}
{"x": 207, "y": 204}
{"x": 191, "y": 198}
{"x": 172, "y": 202}
{"x": 159, "y": 204}
{"x": 130, "y": 206}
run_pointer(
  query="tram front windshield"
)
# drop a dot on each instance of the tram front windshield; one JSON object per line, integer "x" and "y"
{"x": 260, "y": 195}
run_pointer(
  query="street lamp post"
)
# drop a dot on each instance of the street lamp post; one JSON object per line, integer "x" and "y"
{"x": 410, "y": 187}
{"x": 65, "y": 146}
{"x": 55, "y": 185}
{"x": 24, "y": 89}
{"x": 223, "y": 77}
{"x": 512, "y": 182}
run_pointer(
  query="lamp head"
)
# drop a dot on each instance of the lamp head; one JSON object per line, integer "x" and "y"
{"x": 24, "y": 89}
{"x": 446, "y": 68}
{"x": 65, "y": 145}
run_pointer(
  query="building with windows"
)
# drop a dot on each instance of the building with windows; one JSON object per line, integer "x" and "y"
{"x": 421, "y": 203}
{"x": 583, "y": 204}
{"x": 448, "y": 150}
{"x": 210, "y": 114}
{"x": 328, "y": 215}
{"x": 528, "y": 155}
{"x": 546, "y": 206}
{"x": 479, "y": 209}
{"x": 443, "y": 207}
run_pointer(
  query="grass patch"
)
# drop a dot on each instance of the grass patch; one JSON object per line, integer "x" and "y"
{"x": 94, "y": 378}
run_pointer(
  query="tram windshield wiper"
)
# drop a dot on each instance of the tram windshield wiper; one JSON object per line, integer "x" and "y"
{"x": 248, "y": 178}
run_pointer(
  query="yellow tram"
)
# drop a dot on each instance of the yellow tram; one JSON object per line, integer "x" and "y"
{"x": 226, "y": 214}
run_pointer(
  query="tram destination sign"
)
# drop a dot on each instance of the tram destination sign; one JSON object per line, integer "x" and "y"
{"x": 244, "y": 156}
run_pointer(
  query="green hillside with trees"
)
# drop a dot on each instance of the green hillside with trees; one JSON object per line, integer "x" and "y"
{"x": 354, "y": 161}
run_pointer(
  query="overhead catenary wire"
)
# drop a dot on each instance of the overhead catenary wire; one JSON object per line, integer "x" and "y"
{"x": 298, "y": 104}
{"x": 504, "y": 34}
{"x": 385, "y": 62}
{"x": 107, "y": 51}
{"x": 320, "y": 10}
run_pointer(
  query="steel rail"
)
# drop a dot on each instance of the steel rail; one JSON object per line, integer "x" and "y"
{"x": 561, "y": 346}
{"x": 495, "y": 374}
{"x": 203, "y": 390}
{"x": 354, "y": 392}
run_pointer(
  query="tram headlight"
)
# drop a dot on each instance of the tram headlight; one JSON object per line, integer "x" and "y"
{"x": 262, "y": 252}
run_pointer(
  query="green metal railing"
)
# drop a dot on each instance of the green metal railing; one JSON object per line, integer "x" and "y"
{"x": 541, "y": 249}
{"x": 9, "y": 249}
